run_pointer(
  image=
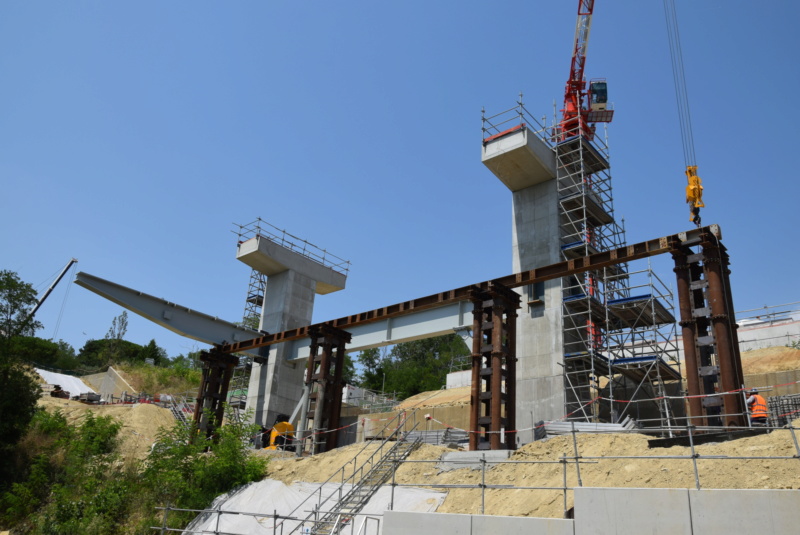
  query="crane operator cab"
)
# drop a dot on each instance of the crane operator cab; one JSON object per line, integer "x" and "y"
{"x": 281, "y": 436}
{"x": 598, "y": 95}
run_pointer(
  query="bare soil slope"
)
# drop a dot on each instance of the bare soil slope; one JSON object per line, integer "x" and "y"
{"x": 770, "y": 359}
{"x": 646, "y": 471}
{"x": 140, "y": 422}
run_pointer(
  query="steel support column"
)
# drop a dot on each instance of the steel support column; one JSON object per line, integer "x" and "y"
{"x": 324, "y": 379}
{"x": 689, "y": 333}
{"x": 722, "y": 321}
{"x": 493, "y": 394}
{"x": 217, "y": 372}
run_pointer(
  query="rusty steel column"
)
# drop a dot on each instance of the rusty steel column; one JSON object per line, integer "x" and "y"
{"x": 477, "y": 357}
{"x": 210, "y": 407}
{"x": 492, "y": 415}
{"x": 497, "y": 357}
{"x": 324, "y": 380}
{"x": 721, "y": 323}
{"x": 689, "y": 334}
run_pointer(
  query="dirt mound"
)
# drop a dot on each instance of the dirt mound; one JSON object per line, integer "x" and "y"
{"x": 140, "y": 422}
{"x": 539, "y": 466}
{"x": 452, "y": 397}
{"x": 770, "y": 359}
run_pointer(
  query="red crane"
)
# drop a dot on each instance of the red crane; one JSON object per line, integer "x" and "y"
{"x": 583, "y": 108}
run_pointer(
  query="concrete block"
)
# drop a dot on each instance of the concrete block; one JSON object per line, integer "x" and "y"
{"x": 400, "y": 523}
{"x": 599, "y": 511}
{"x": 520, "y": 160}
{"x": 726, "y": 511}
{"x": 456, "y": 460}
{"x": 483, "y": 525}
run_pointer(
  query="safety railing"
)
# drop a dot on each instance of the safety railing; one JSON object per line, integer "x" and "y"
{"x": 259, "y": 227}
{"x": 571, "y": 459}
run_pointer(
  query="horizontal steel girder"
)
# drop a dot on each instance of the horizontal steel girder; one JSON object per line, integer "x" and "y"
{"x": 597, "y": 261}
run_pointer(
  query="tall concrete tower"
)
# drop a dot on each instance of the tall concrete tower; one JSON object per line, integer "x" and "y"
{"x": 526, "y": 164}
{"x": 296, "y": 271}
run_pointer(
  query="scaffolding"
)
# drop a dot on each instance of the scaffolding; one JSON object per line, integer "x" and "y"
{"x": 616, "y": 334}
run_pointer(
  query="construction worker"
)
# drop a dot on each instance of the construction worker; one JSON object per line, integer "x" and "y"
{"x": 757, "y": 406}
{"x": 281, "y": 435}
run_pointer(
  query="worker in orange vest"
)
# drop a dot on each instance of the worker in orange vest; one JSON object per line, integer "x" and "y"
{"x": 757, "y": 406}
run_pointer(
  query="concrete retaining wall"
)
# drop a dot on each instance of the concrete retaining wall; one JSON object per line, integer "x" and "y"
{"x": 685, "y": 511}
{"x": 399, "y": 523}
{"x": 600, "y": 511}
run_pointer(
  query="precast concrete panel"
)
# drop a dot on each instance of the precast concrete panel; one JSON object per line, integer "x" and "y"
{"x": 401, "y": 523}
{"x": 726, "y": 511}
{"x": 485, "y": 525}
{"x": 604, "y": 511}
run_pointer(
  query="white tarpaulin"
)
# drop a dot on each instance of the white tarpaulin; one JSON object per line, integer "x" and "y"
{"x": 270, "y": 497}
{"x": 71, "y": 384}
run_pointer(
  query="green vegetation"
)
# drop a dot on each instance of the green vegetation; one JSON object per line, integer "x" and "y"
{"x": 412, "y": 367}
{"x": 71, "y": 480}
{"x": 58, "y": 478}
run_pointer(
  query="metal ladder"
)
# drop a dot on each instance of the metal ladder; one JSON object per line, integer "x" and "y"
{"x": 351, "y": 503}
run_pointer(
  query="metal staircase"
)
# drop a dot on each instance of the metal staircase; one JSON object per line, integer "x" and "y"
{"x": 180, "y": 409}
{"x": 342, "y": 513}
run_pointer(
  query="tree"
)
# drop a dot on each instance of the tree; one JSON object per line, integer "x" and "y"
{"x": 152, "y": 351}
{"x": 412, "y": 367}
{"x": 115, "y": 334}
{"x": 19, "y": 391}
{"x": 99, "y": 353}
{"x": 17, "y": 298}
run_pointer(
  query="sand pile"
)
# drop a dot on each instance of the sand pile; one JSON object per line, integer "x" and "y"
{"x": 647, "y": 471}
{"x": 140, "y": 422}
{"x": 770, "y": 359}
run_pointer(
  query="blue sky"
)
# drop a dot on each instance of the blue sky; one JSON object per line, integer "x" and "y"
{"x": 135, "y": 134}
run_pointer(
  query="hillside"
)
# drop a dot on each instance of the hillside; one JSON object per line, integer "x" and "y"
{"x": 647, "y": 471}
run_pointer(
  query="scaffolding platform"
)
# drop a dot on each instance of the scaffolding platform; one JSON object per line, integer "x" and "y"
{"x": 586, "y": 200}
{"x": 640, "y": 311}
{"x": 572, "y": 150}
{"x": 641, "y": 368}
{"x": 595, "y": 361}
{"x": 585, "y": 305}
{"x": 519, "y": 158}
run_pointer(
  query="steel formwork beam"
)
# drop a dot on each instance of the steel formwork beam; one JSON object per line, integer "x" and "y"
{"x": 591, "y": 262}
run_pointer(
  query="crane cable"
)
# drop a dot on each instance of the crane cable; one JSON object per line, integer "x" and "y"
{"x": 694, "y": 188}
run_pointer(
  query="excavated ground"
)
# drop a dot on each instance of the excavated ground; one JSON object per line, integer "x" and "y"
{"x": 141, "y": 423}
{"x": 644, "y": 471}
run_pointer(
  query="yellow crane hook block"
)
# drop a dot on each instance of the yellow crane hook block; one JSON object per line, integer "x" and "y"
{"x": 694, "y": 193}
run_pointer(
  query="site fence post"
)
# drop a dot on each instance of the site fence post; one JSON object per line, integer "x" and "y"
{"x": 164, "y": 522}
{"x": 216, "y": 529}
{"x": 694, "y": 458}
{"x": 391, "y": 501}
{"x": 794, "y": 438}
{"x": 577, "y": 455}
{"x": 564, "y": 472}
{"x": 483, "y": 482}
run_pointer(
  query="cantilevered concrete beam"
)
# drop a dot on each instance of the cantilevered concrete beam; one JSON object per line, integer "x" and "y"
{"x": 176, "y": 318}
{"x": 211, "y": 330}
{"x": 270, "y": 258}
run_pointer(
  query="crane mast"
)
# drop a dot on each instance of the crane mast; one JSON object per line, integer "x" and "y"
{"x": 582, "y": 108}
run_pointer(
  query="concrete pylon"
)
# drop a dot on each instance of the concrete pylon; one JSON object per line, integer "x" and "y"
{"x": 294, "y": 277}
